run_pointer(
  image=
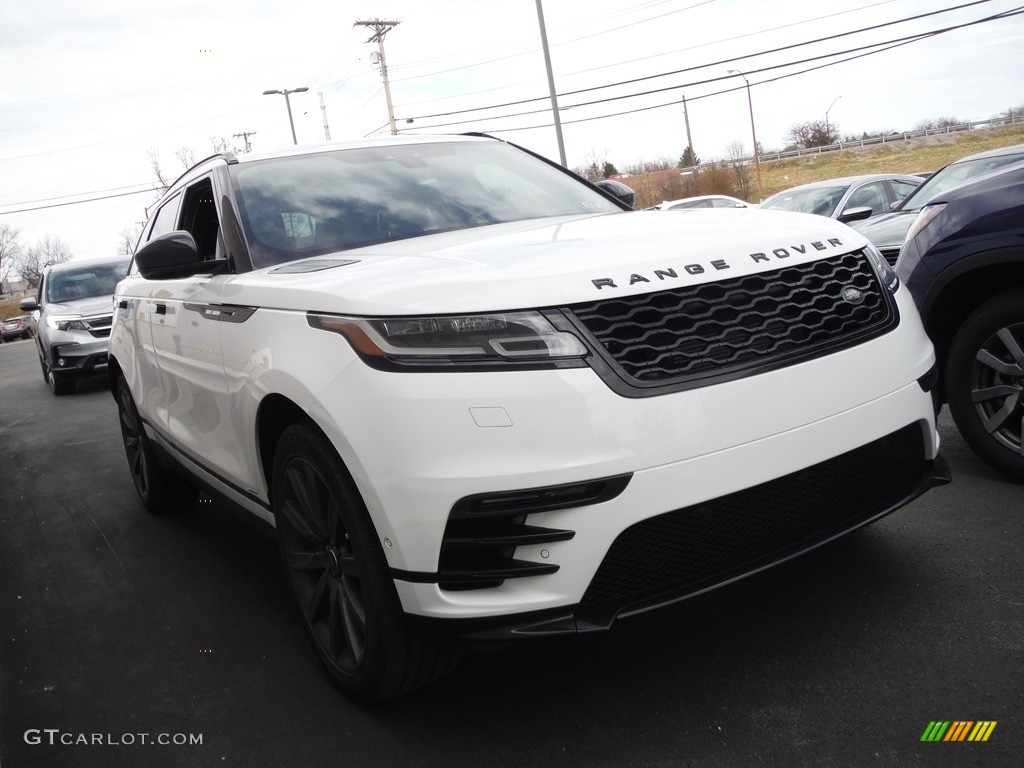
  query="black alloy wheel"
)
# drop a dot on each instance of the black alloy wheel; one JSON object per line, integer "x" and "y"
{"x": 340, "y": 579}
{"x": 160, "y": 489}
{"x": 985, "y": 382}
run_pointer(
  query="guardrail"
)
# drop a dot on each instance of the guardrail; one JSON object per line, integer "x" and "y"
{"x": 886, "y": 139}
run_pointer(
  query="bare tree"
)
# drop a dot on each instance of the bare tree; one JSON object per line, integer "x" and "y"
{"x": 41, "y": 254}
{"x": 737, "y": 155}
{"x": 186, "y": 157}
{"x": 128, "y": 238}
{"x": 9, "y": 250}
{"x": 939, "y": 124}
{"x": 162, "y": 184}
{"x": 814, "y": 133}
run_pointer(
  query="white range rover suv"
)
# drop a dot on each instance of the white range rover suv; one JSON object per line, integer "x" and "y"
{"x": 478, "y": 397}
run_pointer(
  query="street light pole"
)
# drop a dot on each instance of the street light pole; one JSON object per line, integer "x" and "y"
{"x": 828, "y": 133}
{"x": 753, "y": 133}
{"x": 288, "y": 104}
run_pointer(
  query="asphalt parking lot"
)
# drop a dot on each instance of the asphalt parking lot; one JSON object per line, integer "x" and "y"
{"x": 133, "y": 640}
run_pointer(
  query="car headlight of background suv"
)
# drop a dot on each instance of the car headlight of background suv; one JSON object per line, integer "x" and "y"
{"x": 885, "y": 273}
{"x": 919, "y": 238}
{"x": 475, "y": 342}
{"x": 66, "y": 323}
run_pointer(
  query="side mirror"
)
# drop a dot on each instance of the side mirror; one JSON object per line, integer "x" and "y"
{"x": 854, "y": 214}
{"x": 29, "y": 305}
{"x": 618, "y": 190}
{"x": 174, "y": 255}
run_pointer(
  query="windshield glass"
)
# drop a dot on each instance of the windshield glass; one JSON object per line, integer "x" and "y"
{"x": 309, "y": 205}
{"x": 86, "y": 282}
{"x": 819, "y": 200}
{"x": 953, "y": 175}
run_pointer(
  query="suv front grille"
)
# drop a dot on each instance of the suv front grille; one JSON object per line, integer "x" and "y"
{"x": 99, "y": 325}
{"x": 684, "y": 336}
{"x": 891, "y": 254}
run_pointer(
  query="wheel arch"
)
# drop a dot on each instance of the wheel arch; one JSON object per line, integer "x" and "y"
{"x": 965, "y": 286}
{"x": 113, "y": 374}
{"x": 275, "y": 414}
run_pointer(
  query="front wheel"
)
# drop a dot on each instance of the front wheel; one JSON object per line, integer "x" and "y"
{"x": 985, "y": 380}
{"x": 340, "y": 579}
{"x": 60, "y": 384}
{"x": 160, "y": 489}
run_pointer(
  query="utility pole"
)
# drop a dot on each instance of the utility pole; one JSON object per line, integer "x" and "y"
{"x": 380, "y": 29}
{"x": 323, "y": 111}
{"x": 244, "y": 135}
{"x": 689, "y": 143}
{"x": 551, "y": 84}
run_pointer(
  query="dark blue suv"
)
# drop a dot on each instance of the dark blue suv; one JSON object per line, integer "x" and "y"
{"x": 963, "y": 262}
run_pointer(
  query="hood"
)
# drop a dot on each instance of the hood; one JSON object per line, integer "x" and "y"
{"x": 888, "y": 230}
{"x": 544, "y": 263}
{"x": 95, "y": 305}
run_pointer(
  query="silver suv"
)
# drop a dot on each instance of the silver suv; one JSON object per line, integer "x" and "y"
{"x": 75, "y": 303}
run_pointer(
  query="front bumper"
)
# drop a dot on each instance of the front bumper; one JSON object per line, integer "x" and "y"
{"x": 438, "y": 439}
{"x": 75, "y": 357}
{"x": 687, "y": 552}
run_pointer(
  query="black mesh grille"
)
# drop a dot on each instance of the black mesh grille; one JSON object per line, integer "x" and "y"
{"x": 691, "y": 549}
{"x": 765, "y": 319}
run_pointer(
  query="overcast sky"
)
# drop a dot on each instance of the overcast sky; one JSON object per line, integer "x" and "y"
{"x": 87, "y": 90}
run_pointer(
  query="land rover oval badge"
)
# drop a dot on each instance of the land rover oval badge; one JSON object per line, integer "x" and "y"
{"x": 853, "y": 295}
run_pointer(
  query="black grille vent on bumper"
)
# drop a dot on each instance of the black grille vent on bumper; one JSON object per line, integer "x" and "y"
{"x": 691, "y": 549}
{"x": 483, "y": 531}
{"x": 684, "y": 336}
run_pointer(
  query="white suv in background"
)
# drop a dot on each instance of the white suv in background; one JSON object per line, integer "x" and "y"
{"x": 478, "y": 397}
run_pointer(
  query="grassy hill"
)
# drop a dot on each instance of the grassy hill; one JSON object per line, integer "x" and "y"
{"x": 913, "y": 156}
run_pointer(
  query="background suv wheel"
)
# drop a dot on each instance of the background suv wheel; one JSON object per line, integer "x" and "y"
{"x": 985, "y": 380}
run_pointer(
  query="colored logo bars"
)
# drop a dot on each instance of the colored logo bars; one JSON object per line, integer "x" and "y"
{"x": 958, "y": 730}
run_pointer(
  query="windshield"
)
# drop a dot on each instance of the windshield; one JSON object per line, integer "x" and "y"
{"x": 308, "y": 205}
{"x": 819, "y": 200}
{"x": 86, "y": 282}
{"x": 953, "y": 175}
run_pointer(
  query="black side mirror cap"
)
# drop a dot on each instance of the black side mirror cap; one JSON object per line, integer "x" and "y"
{"x": 618, "y": 190}
{"x": 174, "y": 255}
{"x": 855, "y": 214}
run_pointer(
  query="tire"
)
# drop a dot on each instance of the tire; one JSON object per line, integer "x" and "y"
{"x": 985, "y": 379}
{"x": 160, "y": 489}
{"x": 339, "y": 576}
{"x": 59, "y": 385}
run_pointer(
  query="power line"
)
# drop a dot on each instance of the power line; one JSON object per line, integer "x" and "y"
{"x": 881, "y": 46}
{"x": 718, "y": 63}
{"x": 76, "y": 202}
{"x": 860, "y": 52}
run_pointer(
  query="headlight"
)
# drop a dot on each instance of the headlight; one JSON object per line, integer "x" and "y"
{"x": 924, "y": 218}
{"x": 479, "y": 342}
{"x": 66, "y": 323}
{"x": 882, "y": 269}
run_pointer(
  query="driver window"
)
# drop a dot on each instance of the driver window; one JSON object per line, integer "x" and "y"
{"x": 199, "y": 217}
